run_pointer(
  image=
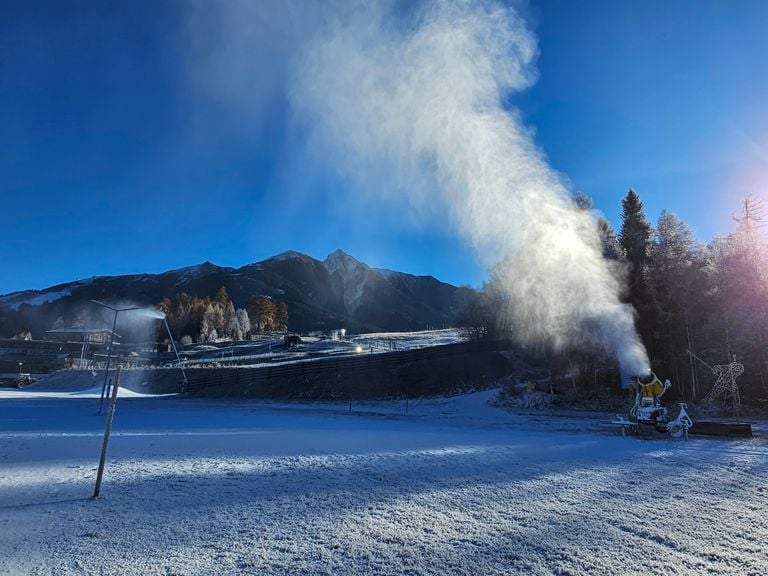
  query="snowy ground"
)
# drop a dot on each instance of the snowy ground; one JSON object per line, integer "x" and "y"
{"x": 266, "y": 352}
{"x": 452, "y": 487}
{"x": 409, "y": 340}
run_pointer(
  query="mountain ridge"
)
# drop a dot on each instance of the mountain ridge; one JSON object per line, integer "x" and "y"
{"x": 339, "y": 291}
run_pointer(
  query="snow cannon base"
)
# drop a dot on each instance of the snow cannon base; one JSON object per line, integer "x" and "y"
{"x": 673, "y": 429}
{"x": 728, "y": 429}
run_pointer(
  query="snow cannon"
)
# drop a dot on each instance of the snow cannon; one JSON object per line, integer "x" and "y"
{"x": 648, "y": 392}
{"x": 649, "y": 414}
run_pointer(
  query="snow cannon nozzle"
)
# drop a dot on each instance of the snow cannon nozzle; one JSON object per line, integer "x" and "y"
{"x": 646, "y": 378}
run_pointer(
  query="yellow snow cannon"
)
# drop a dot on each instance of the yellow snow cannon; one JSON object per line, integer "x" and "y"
{"x": 648, "y": 413}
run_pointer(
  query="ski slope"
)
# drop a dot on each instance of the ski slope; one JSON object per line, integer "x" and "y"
{"x": 454, "y": 486}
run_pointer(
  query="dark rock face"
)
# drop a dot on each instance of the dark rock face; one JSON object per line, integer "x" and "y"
{"x": 339, "y": 292}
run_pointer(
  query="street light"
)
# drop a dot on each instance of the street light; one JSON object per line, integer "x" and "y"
{"x": 18, "y": 377}
{"x": 111, "y": 342}
{"x": 184, "y": 385}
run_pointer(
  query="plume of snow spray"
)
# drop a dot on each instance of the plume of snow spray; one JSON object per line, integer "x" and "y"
{"x": 425, "y": 98}
{"x": 134, "y": 322}
{"x": 150, "y": 312}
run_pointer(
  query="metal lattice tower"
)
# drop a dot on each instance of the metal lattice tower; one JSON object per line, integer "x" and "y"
{"x": 725, "y": 383}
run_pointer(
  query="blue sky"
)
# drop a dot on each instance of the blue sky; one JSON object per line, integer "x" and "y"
{"x": 117, "y": 156}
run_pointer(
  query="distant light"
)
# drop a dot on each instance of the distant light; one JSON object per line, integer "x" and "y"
{"x": 358, "y": 348}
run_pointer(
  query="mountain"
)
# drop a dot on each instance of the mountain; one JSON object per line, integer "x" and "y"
{"x": 338, "y": 292}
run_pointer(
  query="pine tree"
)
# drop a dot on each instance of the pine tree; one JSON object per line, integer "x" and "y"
{"x": 635, "y": 240}
{"x": 266, "y": 313}
{"x": 635, "y": 235}
{"x": 252, "y": 307}
{"x": 221, "y": 298}
{"x": 263, "y": 314}
{"x": 281, "y": 316}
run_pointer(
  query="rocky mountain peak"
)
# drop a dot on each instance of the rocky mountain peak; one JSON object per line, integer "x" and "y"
{"x": 340, "y": 261}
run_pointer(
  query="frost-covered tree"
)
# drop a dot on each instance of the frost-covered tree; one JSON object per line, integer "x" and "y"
{"x": 239, "y": 326}
{"x": 212, "y": 324}
{"x": 206, "y": 329}
{"x": 612, "y": 249}
{"x": 243, "y": 323}
{"x": 229, "y": 326}
{"x": 200, "y": 317}
{"x": 677, "y": 288}
{"x": 582, "y": 201}
{"x": 738, "y": 281}
{"x": 611, "y": 246}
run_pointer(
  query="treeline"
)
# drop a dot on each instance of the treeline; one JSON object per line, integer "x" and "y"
{"x": 698, "y": 305}
{"x": 196, "y": 319}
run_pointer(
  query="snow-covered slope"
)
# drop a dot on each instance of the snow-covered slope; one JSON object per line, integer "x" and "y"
{"x": 34, "y": 298}
{"x": 289, "y": 255}
{"x": 452, "y": 487}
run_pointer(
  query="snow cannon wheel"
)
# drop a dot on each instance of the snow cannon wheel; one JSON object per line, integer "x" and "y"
{"x": 676, "y": 430}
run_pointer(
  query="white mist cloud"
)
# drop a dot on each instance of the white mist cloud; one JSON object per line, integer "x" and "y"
{"x": 420, "y": 102}
{"x": 406, "y": 99}
{"x": 238, "y": 53}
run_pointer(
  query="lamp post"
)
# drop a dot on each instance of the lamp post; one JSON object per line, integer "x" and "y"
{"x": 18, "y": 376}
{"x": 184, "y": 384}
{"x": 111, "y": 343}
